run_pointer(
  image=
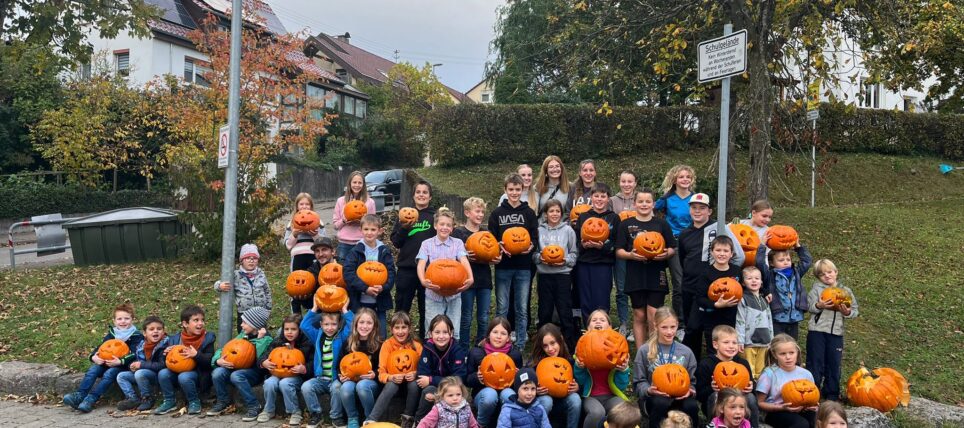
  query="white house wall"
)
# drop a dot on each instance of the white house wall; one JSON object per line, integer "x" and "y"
{"x": 149, "y": 57}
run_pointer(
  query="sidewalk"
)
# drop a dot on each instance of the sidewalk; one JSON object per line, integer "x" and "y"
{"x": 27, "y": 415}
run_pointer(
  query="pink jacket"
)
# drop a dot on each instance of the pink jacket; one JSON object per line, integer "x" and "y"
{"x": 444, "y": 416}
{"x": 348, "y": 233}
{"x": 718, "y": 423}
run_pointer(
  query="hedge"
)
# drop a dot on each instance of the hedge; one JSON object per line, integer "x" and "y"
{"x": 847, "y": 129}
{"x": 24, "y": 200}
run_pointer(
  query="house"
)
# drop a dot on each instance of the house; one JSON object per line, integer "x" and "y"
{"x": 483, "y": 92}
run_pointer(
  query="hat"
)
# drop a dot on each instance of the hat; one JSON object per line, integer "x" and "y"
{"x": 322, "y": 241}
{"x": 524, "y": 375}
{"x": 700, "y": 198}
{"x": 249, "y": 250}
{"x": 256, "y": 317}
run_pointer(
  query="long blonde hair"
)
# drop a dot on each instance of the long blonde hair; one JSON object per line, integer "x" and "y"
{"x": 778, "y": 340}
{"x": 363, "y": 194}
{"x": 662, "y": 314}
{"x": 304, "y": 195}
{"x": 669, "y": 181}
{"x": 374, "y": 340}
{"x": 542, "y": 182}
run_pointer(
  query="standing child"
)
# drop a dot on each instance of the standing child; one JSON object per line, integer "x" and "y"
{"x": 290, "y": 337}
{"x": 594, "y": 268}
{"x": 522, "y": 410}
{"x": 478, "y": 298}
{"x": 709, "y": 314}
{"x": 407, "y": 238}
{"x": 452, "y": 410}
{"x": 199, "y": 346}
{"x": 441, "y": 357}
{"x": 528, "y": 191}
{"x": 581, "y": 189}
{"x": 660, "y": 349}
{"x": 254, "y": 323}
{"x": 443, "y": 246}
{"x": 788, "y": 300}
{"x": 298, "y": 242}
{"x": 488, "y": 399}
{"x": 730, "y": 410}
{"x": 124, "y": 330}
{"x": 327, "y": 340}
{"x": 677, "y": 190}
{"x": 549, "y": 343}
{"x": 624, "y": 200}
{"x": 754, "y": 322}
{"x": 831, "y": 414}
{"x": 349, "y": 232}
{"x": 323, "y": 248}
{"x": 708, "y": 392}
{"x": 555, "y": 282}
{"x": 364, "y": 338}
{"x": 760, "y": 215}
{"x": 377, "y": 297}
{"x": 784, "y": 360}
{"x": 551, "y": 183}
{"x": 624, "y": 415}
{"x": 401, "y": 339}
{"x": 143, "y": 372}
{"x": 250, "y": 283}
{"x": 597, "y": 386}
{"x": 826, "y": 329}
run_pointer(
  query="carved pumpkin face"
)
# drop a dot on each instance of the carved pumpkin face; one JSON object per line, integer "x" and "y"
{"x": 782, "y": 237}
{"x": 602, "y": 349}
{"x": 407, "y": 215}
{"x": 372, "y": 273}
{"x": 649, "y": 244}
{"x": 354, "y": 365}
{"x": 305, "y": 220}
{"x": 836, "y": 295}
{"x": 177, "y": 362}
{"x": 484, "y": 245}
{"x": 750, "y": 259}
{"x": 300, "y": 284}
{"x": 113, "y": 348}
{"x": 748, "y": 239}
{"x": 626, "y": 215}
{"x": 801, "y": 393}
{"x": 577, "y": 210}
{"x": 239, "y": 352}
{"x": 448, "y": 274}
{"x": 595, "y": 229}
{"x": 402, "y": 361}
{"x": 555, "y": 374}
{"x": 498, "y": 371}
{"x": 516, "y": 240}
{"x": 355, "y": 210}
{"x": 672, "y": 379}
{"x": 332, "y": 273}
{"x": 726, "y": 288}
{"x": 331, "y": 298}
{"x": 553, "y": 255}
{"x": 729, "y": 374}
{"x": 883, "y": 389}
{"x": 285, "y": 358}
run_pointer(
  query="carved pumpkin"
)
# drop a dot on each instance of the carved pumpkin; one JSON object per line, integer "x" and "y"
{"x": 407, "y": 216}
{"x": 883, "y": 389}
{"x": 649, "y": 244}
{"x": 626, "y": 215}
{"x": 729, "y": 374}
{"x": 331, "y": 298}
{"x": 836, "y": 295}
{"x": 285, "y": 358}
{"x": 484, "y": 245}
{"x": 498, "y": 371}
{"x": 354, "y": 365}
{"x": 602, "y": 349}
{"x": 594, "y": 229}
{"x": 448, "y": 274}
{"x": 748, "y": 239}
{"x": 726, "y": 288}
{"x": 555, "y": 374}
{"x": 113, "y": 348}
{"x": 578, "y": 210}
{"x": 240, "y": 353}
{"x": 750, "y": 259}
{"x": 782, "y": 237}
{"x": 355, "y": 210}
{"x": 672, "y": 379}
{"x": 402, "y": 361}
{"x": 372, "y": 273}
{"x": 177, "y": 362}
{"x": 553, "y": 255}
{"x": 382, "y": 425}
{"x": 300, "y": 284}
{"x": 332, "y": 273}
{"x": 305, "y": 220}
{"x": 516, "y": 240}
{"x": 800, "y": 393}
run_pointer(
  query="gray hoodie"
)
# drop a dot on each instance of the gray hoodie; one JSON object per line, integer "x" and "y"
{"x": 561, "y": 235}
{"x": 826, "y": 320}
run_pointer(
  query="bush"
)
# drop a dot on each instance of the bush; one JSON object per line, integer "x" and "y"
{"x": 848, "y": 129}
{"x": 23, "y": 199}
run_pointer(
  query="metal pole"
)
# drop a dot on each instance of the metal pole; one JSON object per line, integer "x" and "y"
{"x": 813, "y": 167}
{"x": 226, "y": 304}
{"x": 724, "y": 147}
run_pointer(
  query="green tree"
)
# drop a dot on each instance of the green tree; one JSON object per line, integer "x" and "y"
{"x": 28, "y": 87}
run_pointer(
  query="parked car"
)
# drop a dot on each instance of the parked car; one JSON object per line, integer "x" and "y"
{"x": 388, "y": 181}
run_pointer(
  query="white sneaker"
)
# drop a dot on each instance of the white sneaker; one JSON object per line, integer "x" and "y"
{"x": 625, "y": 331}
{"x": 295, "y": 419}
{"x": 512, "y": 337}
{"x": 680, "y": 334}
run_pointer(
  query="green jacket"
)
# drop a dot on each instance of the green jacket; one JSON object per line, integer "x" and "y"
{"x": 260, "y": 347}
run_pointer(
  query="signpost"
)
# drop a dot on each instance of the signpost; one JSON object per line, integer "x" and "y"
{"x": 224, "y": 136}
{"x": 813, "y": 115}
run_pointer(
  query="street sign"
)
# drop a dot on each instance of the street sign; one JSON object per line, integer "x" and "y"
{"x": 813, "y": 115}
{"x": 223, "y": 138}
{"x": 722, "y": 57}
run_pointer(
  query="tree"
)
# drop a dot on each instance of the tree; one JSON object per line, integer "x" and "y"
{"x": 28, "y": 87}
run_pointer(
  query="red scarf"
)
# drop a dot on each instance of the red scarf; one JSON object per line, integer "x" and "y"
{"x": 490, "y": 349}
{"x": 195, "y": 341}
{"x": 149, "y": 347}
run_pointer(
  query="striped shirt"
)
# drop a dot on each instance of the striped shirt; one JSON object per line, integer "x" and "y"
{"x": 327, "y": 359}
{"x": 436, "y": 249}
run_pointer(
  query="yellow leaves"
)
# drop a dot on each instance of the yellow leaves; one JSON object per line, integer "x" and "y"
{"x": 676, "y": 87}
{"x": 581, "y": 6}
{"x": 909, "y": 46}
{"x": 948, "y": 6}
{"x": 605, "y": 109}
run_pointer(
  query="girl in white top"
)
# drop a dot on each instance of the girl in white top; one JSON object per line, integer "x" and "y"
{"x": 552, "y": 183}
{"x": 784, "y": 359}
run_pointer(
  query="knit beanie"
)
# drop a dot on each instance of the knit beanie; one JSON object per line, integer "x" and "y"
{"x": 524, "y": 375}
{"x": 249, "y": 250}
{"x": 256, "y": 317}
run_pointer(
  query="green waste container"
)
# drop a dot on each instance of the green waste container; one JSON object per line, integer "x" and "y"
{"x": 126, "y": 235}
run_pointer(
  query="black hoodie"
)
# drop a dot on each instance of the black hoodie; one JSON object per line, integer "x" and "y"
{"x": 408, "y": 240}
{"x": 606, "y": 254}
{"x": 505, "y": 216}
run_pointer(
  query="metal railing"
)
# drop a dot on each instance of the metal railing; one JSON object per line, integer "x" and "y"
{"x": 51, "y": 238}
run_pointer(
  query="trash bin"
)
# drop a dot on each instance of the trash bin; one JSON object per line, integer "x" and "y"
{"x": 124, "y": 235}
{"x": 379, "y": 198}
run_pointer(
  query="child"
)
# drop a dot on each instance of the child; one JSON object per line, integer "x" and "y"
{"x": 581, "y": 189}
{"x": 400, "y": 339}
{"x": 328, "y": 341}
{"x": 407, "y": 238}
{"x": 661, "y": 348}
{"x": 675, "y": 419}
{"x": 349, "y": 232}
{"x": 730, "y": 410}
{"x": 594, "y": 268}
{"x": 254, "y": 323}
{"x": 647, "y": 286}
{"x": 364, "y": 338}
{"x": 289, "y": 386}
{"x": 760, "y": 215}
{"x": 150, "y": 360}
{"x": 754, "y": 323}
{"x": 522, "y": 410}
{"x": 528, "y": 191}
{"x": 487, "y": 399}
{"x": 624, "y": 415}
{"x": 826, "y": 329}
{"x": 453, "y": 410}
{"x": 441, "y": 357}
{"x": 298, "y": 242}
{"x": 323, "y": 248}
{"x": 555, "y": 282}
{"x": 551, "y": 183}
{"x": 596, "y": 386}
{"x": 708, "y": 313}
{"x": 677, "y": 188}
{"x": 831, "y": 414}
{"x": 123, "y": 329}
{"x": 379, "y": 297}
{"x": 443, "y": 246}
{"x": 788, "y": 301}
{"x": 549, "y": 343}
{"x": 250, "y": 283}
{"x": 199, "y": 345}
{"x": 478, "y": 297}
{"x": 513, "y": 273}
{"x": 784, "y": 360}
{"x": 707, "y": 391}
{"x": 624, "y": 200}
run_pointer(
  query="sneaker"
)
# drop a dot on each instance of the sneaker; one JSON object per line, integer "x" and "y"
{"x": 128, "y": 404}
{"x": 264, "y": 416}
{"x": 165, "y": 407}
{"x": 252, "y": 415}
{"x": 512, "y": 337}
{"x": 73, "y": 399}
{"x": 353, "y": 423}
{"x": 194, "y": 407}
{"x": 145, "y": 404}
{"x": 87, "y": 405}
{"x": 294, "y": 420}
{"x": 314, "y": 419}
{"x": 626, "y": 331}
{"x": 680, "y": 334}
{"x": 218, "y": 408}
{"x": 407, "y": 421}
{"x": 340, "y": 423}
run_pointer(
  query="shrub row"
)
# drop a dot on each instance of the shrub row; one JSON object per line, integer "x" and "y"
{"x": 24, "y": 200}
{"x": 847, "y": 129}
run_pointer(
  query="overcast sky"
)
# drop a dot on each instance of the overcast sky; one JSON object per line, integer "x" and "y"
{"x": 455, "y": 33}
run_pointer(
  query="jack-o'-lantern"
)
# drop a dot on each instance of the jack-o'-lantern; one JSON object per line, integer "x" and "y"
{"x": 300, "y": 284}
{"x": 355, "y": 210}
{"x": 240, "y": 353}
{"x": 602, "y": 349}
{"x": 331, "y": 298}
{"x": 555, "y": 374}
{"x": 577, "y": 210}
{"x": 594, "y": 229}
{"x": 649, "y": 244}
{"x": 782, "y": 237}
{"x": 355, "y": 364}
{"x": 836, "y": 295}
{"x": 177, "y": 362}
{"x": 729, "y": 374}
{"x": 883, "y": 389}
{"x": 372, "y": 273}
{"x": 484, "y": 245}
{"x": 113, "y": 348}
{"x": 448, "y": 274}
{"x": 305, "y": 220}
{"x": 407, "y": 216}
{"x": 626, "y": 215}
{"x": 726, "y": 288}
{"x": 332, "y": 273}
{"x": 402, "y": 361}
{"x": 498, "y": 371}
{"x": 553, "y": 255}
{"x": 800, "y": 393}
{"x": 516, "y": 240}
{"x": 671, "y": 379}
{"x": 750, "y": 259}
{"x": 748, "y": 239}
{"x": 285, "y": 358}
{"x": 382, "y": 425}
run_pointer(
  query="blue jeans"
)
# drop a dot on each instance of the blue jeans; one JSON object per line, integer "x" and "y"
{"x": 289, "y": 387}
{"x": 488, "y": 400}
{"x": 571, "y": 403}
{"x": 450, "y": 307}
{"x": 342, "y": 251}
{"x": 516, "y": 281}
{"x": 314, "y": 386}
{"x": 366, "y": 390}
{"x": 107, "y": 375}
{"x": 143, "y": 378}
{"x": 622, "y": 300}
{"x": 187, "y": 381}
{"x": 242, "y": 380}
{"x": 479, "y": 301}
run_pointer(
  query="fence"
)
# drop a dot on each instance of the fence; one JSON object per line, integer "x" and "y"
{"x": 321, "y": 185}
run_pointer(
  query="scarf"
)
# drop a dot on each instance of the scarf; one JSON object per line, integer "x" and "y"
{"x": 490, "y": 349}
{"x": 124, "y": 334}
{"x": 787, "y": 272}
{"x": 149, "y": 347}
{"x": 194, "y": 341}
{"x": 249, "y": 273}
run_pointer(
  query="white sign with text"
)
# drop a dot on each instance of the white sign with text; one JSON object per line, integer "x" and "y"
{"x": 722, "y": 57}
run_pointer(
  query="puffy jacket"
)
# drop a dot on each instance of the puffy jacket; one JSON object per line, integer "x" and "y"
{"x": 311, "y": 327}
{"x": 754, "y": 322}
{"x": 132, "y": 343}
{"x": 444, "y": 416}
{"x": 249, "y": 293}
{"x": 826, "y": 320}
{"x": 356, "y": 287}
{"x": 515, "y": 415}
{"x": 775, "y": 282}
{"x": 438, "y": 364}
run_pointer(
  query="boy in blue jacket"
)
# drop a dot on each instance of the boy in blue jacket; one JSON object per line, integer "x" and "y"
{"x": 782, "y": 281}
{"x": 378, "y": 297}
{"x": 199, "y": 346}
{"x": 143, "y": 372}
{"x": 328, "y": 341}
{"x": 522, "y": 410}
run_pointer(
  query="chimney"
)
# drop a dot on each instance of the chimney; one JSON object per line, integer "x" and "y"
{"x": 345, "y": 37}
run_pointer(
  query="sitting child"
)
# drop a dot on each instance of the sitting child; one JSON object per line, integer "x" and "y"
{"x": 452, "y": 410}
{"x": 522, "y": 410}
{"x": 143, "y": 372}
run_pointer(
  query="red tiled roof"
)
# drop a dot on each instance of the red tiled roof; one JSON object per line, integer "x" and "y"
{"x": 308, "y": 65}
{"x": 169, "y": 28}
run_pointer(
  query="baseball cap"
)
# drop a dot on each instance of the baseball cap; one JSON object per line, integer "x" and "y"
{"x": 700, "y": 198}
{"x": 322, "y": 241}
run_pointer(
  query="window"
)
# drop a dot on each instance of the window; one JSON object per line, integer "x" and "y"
{"x": 910, "y": 104}
{"x": 122, "y": 62}
{"x": 486, "y": 98}
{"x": 870, "y": 95}
{"x": 349, "y": 105}
{"x": 317, "y": 95}
{"x": 84, "y": 71}
{"x": 194, "y": 70}
{"x": 361, "y": 108}
{"x": 333, "y": 102}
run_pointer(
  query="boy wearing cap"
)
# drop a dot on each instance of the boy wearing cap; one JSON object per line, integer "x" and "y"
{"x": 250, "y": 283}
{"x": 254, "y": 323}
{"x": 522, "y": 410}
{"x": 324, "y": 249}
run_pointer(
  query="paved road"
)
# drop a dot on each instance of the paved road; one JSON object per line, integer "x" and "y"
{"x": 25, "y": 415}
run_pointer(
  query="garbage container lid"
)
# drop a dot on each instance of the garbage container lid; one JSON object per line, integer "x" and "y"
{"x": 124, "y": 215}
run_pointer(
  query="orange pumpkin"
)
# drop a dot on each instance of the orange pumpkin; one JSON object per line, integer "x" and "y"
{"x": 515, "y": 240}
{"x": 883, "y": 389}
{"x": 726, "y": 288}
{"x": 113, "y": 348}
{"x": 354, "y": 365}
{"x": 594, "y": 229}
{"x": 448, "y": 274}
{"x": 407, "y": 216}
{"x": 800, "y": 393}
{"x": 836, "y": 295}
{"x": 300, "y": 284}
{"x": 285, "y": 358}
{"x": 402, "y": 361}
{"x": 484, "y": 245}
{"x": 672, "y": 379}
{"x": 748, "y": 239}
{"x": 332, "y": 273}
{"x": 649, "y": 244}
{"x": 498, "y": 371}
{"x": 553, "y": 255}
{"x": 177, "y": 362}
{"x": 382, "y": 425}
{"x": 782, "y": 237}
{"x": 729, "y": 374}
{"x": 750, "y": 259}
{"x": 305, "y": 220}
{"x": 577, "y": 211}
{"x": 602, "y": 349}
{"x": 240, "y": 353}
{"x": 555, "y": 374}
{"x": 355, "y": 210}
{"x": 331, "y": 298}
{"x": 372, "y": 273}
{"x": 626, "y": 215}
